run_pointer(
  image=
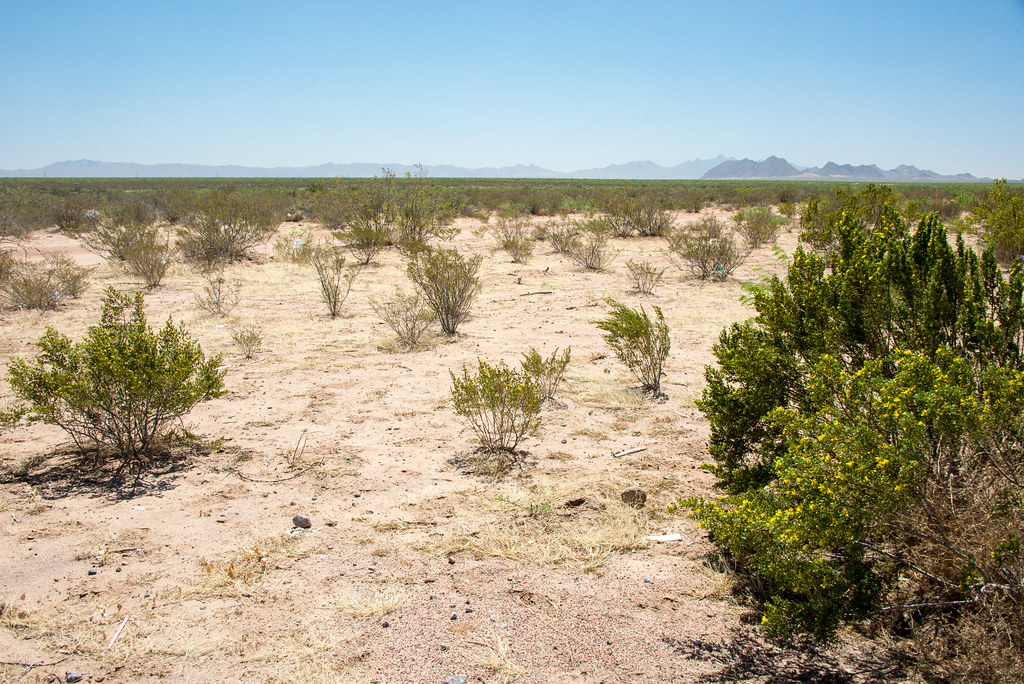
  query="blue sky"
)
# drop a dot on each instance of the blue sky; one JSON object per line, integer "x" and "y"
{"x": 564, "y": 85}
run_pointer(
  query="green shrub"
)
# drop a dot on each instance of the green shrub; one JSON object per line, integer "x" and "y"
{"x": 639, "y": 342}
{"x": 866, "y": 427}
{"x": 448, "y": 282}
{"x": 635, "y": 211}
{"x": 407, "y": 314}
{"x": 335, "y": 282}
{"x": 122, "y": 386}
{"x": 75, "y": 214}
{"x": 547, "y": 373}
{"x": 563, "y": 237}
{"x": 224, "y": 226}
{"x": 999, "y": 218}
{"x": 644, "y": 276}
{"x": 589, "y": 248}
{"x": 361, "y": 217}
{"x": 759, "y": 226}
{"x": 706, "y": 249}
{"x": 21, "y": 212}
{"x": 424, "y": 211}
{"x": 129, "y": 236}
{"x": 502, "y": 404}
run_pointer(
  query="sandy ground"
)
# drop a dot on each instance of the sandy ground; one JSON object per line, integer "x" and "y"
{"x": 415, "y": 568}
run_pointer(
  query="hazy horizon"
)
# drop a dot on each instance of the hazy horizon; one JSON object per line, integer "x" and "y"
{"x": 565, "y": 86}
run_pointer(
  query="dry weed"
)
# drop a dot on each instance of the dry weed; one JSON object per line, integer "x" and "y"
{"x": 541, "y": 531}
{"x": 495, "y": 654}
{"x": 244, "y": 571}
{"x": 384, "y": 601}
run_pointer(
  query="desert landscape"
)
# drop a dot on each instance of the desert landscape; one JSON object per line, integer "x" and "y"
{"x": 421, "y": 561}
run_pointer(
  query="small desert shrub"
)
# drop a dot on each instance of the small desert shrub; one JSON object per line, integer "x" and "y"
{"x": 130, "y": 236}
{"x": 42, "y": 285}
{"x": 644, "y": 276}
{"x": 363, "y": 240}
{"x": 218, "y": 297}
{"x": 407, "y": 314}
{"x": 562, "y": 237}
{"x": 632, "y": 212}
{"x": 248, "y": 340}
{"x": 75, "y": 214}
{"x": 547, "y": 373}
{"x": 589, "y": 249}
{"x": 514, "y": 239}
{"x": 335, "y": 282}
{"x": 295, "y": 246}
{"x": 225, "y": 226}
{"x": 122, "y": 386}
{"x": 501, "y": 403}
{"x": 759, "y": 226}
{"x": 639, "y": 342}
{"x": 706, "y": 249}
{"x": 448, "y": 282}
{"x": 424, "y": 212}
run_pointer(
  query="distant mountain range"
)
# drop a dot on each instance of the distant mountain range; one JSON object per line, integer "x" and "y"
{"x": 776, "y": 168}
{"x": 718, "y": 168}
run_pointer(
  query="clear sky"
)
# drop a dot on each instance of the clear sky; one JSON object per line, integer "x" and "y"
{"x": 564, "y": 85}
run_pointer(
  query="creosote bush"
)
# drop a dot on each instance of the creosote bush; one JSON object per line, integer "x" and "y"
{"x": 644, "y": 276}
{"x": 248, "y": 340}
{"x": 707, "y": 249}
{"x": 866, "y": 432}
{"x": 547, "y": 373}
{"x": 295, "y": 246}
{"x": 589, "y": 249}
{"x": 122, "y": 386}
{"x": 502, "y": 404}
{"x": 407, "y": 314}
{"x": 639, "y": 342}
{"x": 224, "y": 226}
{"x": 41, "y": 285}
{"x": 759, "y": 226}
{"x": 218, "y": 296}
{"x": 514, "y": 238}
{"x": 448, "y": 282}
{"x": 999, "y": 218}
{"x": 335, "y": 281}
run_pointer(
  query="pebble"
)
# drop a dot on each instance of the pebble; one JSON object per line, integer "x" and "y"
{"x": 302, "y": 521}
{"x": 385, "y": 624}
{"x": 72, "y": 676}
{"x": 469, "y": 610}
{"x": 634, "y": 496}
{"x": 92, "y": 571}
{"x": 648, "y": 580}
{"x": 454, "y": 616}
{"x": 457, "y": 679}
{"x": 451, "y": 560}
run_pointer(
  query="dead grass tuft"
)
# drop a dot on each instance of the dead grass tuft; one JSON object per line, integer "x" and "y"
{"x": 533, "y": 527}
{"x": 384, "y": 601}
{"x": 495, "y": 654}
{"x": 244, "y": 570}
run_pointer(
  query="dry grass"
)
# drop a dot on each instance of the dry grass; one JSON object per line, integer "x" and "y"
{"x": 533, "y": 527}
{"x": 242, "y": 572}
{"x": 495, "y": 654}
{"x": 604, "y": 394}
{"x": 384, "y": 601}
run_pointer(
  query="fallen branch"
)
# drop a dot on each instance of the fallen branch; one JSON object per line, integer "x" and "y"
{"x": 527, "y": 294}
{"x": 627, "y": 452}
{"x": 282, "y": 479}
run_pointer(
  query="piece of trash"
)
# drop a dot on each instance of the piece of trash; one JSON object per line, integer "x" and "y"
{"x": 665, "y": 537}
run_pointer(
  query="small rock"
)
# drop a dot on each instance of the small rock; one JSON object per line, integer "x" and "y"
{"x": 433, "y": 596}
{"x": 469, "y": 610}
{"x": 454, "y": 616}
{"x": 457, "y": 679}
{"x": 634, "y": 496}
{"x": 451, "y": 560}
{"x": 92, "y": 571}
{"x": 71, "y": 676}
{"x": 573, "y": 503}
{"x": 648, "y": 580}
{"x": 385, "y": 624}
{"x": 301, "y": 521}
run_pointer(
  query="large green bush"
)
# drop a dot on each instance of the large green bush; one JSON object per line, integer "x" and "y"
{"x": 224, "y": 226}
{"x": 122, "y": 386}
{"x": 866, "y": 428}
{"x": 449, "y": 283}
{"x": 501, "y": 403}
{"x": 999, "y": 218}
{"x": 639, "y": 342}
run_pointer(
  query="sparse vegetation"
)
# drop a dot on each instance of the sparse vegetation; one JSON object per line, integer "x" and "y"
{"x": 449, "y": 283}
{"x": 589, "y": 248}
{"x": 218, "y": 296}
{"x": 335, "y": 281}
{"x": 224, "y": 226}
{"x": 513, "y": 235}
{"x": 999, "y": 218}
{"x": 707, "y": 249}
{"x": 120, "y": 387}
{"x": 644, "y": 276}
{"x": 407, "y": 314}
{"x": 501, "y": 403}
{"x": 547, "y": 373}
{"x": 248, "y": 340}
{"x": 639, "y": 342}
{"x": 41, "y": 285}
{"x": 759, "y": 226}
